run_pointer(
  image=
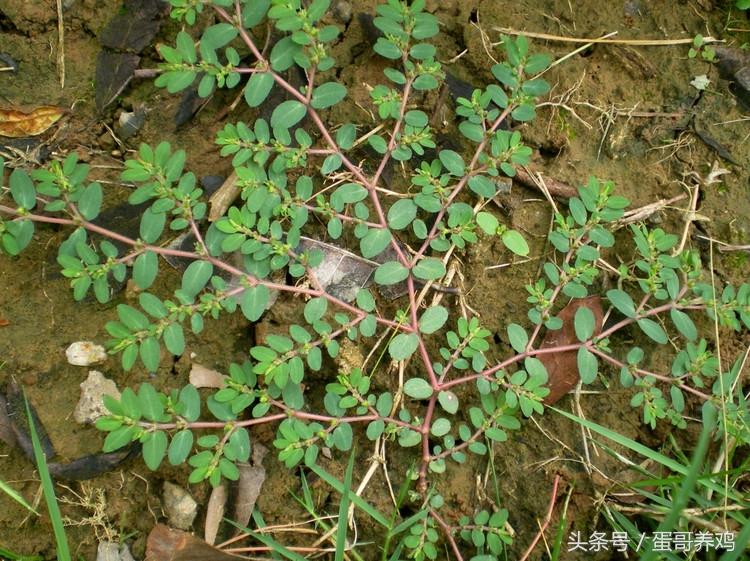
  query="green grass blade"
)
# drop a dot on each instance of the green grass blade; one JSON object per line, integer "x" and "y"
{"x": 691, "y": 478}
{"x": 639, "y": 448}
{"x": 741, "y": 542}
{"x": 362, "y": 504}
{"x": 344, "y": 510}
{"x": 10, "y": 556}
{"x": 13, "y": 494}
{"x": 63, "y": 553}
{"x": 409, "y": 522}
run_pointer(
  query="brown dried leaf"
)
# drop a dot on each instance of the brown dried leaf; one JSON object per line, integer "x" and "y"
{"x": 15, "y": 123}
{"x": 562, "y": 368}
{"x": 167, "y": 544}
{"x": 249, "y": 485}
{"x": 203, "y": 377}
{"x": 215, "y": 512}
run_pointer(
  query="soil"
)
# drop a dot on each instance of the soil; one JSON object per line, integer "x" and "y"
{"x": 617, "y": 112}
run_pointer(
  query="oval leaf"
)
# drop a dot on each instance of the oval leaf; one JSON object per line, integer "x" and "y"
{"x": 417, "y": 388}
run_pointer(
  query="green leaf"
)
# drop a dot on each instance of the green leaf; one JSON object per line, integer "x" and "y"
{"x": 429, "y": 268}
{"x": 653, "y": 330}
{"x": 622, "y": 301}
{"x": 287, "y": 114}
{"x": 258, "y": 87}
{"x": 417, "y": 388}
{"x": 401, "y": 214}
{"x": 180, "y": 447}
{"x": 22, "y": 189}
{"x": 150, "y": 353}
{"x": 440, "y": 427}
{"x": 151, "y": 305}
{"x": 487, "y": 222}
{"x": 152, "y": 225}
{"x": 196, "y": 276}
{"x": 132, "y": 318}
{"x": 376, "y": 240}
{"x": 154, "y": 448}
{"x": 524, "y": 112}
{"x": 145, "y": 269}
{"x": 403, "y": 345}
{"x": 518, "y": 337}
{"x": 387, "y": 49}
{"x": 584, "y": 323}
{"x": 327, "y": 94}
{"x": 448, "y": 401}
{"x": 515, "y": 242}
{"x": 453, "y": 162}
{"x": 587, "y": 364}
{"x": 331, "y": 164}
{"x": 174, "y": 339}
{"x": 190, "y": 402}
{"x": 390, "y": 272}
{"x": 91, "y": 201}
{"x": 186, "y": 47}
{"x": 536, "y": 63}
{"x": 349, "y": 193}
{"x": 536, "y": 87}
{"x": 483, "y": 186}
{"x": 346, "y": 136}
{"x": 254, "y": 302}
{"x": 433, "y": 319}
{"x": 218, "y": 35}
{"x": 315, "y": 309}
{"x": 684, "y": 324}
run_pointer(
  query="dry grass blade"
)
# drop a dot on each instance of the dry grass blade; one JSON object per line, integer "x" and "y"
{"x": 638, "y": 42}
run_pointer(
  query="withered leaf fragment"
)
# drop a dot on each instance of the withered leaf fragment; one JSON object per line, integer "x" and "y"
{"x": 562, "y": 368}
{"x": 113, "y": 73}
{"x": 166, "y": 544}
{"x": 15, "y": 123}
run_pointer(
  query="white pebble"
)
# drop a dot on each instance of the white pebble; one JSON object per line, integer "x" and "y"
{"x": 85, "y": 353}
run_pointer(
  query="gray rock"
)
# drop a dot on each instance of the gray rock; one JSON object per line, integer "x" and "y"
{"x": 112, "y": 551}
{"x": 180, "y": 507}
{"x": 91, "y": 404}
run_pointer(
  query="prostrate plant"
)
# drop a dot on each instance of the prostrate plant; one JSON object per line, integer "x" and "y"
{"x": 288, "y": 172}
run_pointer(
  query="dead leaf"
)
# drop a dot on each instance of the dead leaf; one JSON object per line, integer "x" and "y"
{"x": 249, "y": 485}
{"x": 4, "y": 322}
{"x": 15, "y": 123}
{"x": 215, "y": 512}
{"x": 341, "y": 273}
{"x": 133, "y": 28}
{"x": 203, "y": 377}
{"x": 113, "y": 73}
{"x": 167, "y": 544}
{"x": 562, "y": 368}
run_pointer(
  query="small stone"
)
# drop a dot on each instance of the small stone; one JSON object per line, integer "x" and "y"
{"x": 112, "y": 551}
{"x": 91, "y": 405}
{"x": 85, "y": 353}
{"x": 107, "y": 551}
{"x": 180, "y": 507}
